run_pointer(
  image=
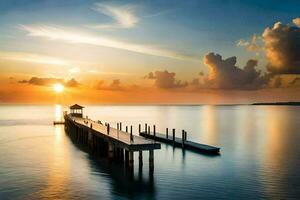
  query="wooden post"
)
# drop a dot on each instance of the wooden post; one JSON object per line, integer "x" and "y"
{"x": 108, "y": 129}
{"x": 139, "y": 129}
{"x": 146, "y": 128}
{"x": 167, "y": 133}
{"x": 141, "y": 158}
{"x": 126, "y": 129}
{"x": 120, "y": 126}
{"x": 131, "y": 161}
{"x": 173, "y": 136}
{"x": 182, "y": 138}
{"x": 131, "y": 136}
{"x": 185, "y": 136}
{"x": 151, "y": 159}
{"x": 154, "y": 130}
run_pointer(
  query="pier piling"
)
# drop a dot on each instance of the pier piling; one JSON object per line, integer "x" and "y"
{"x": 167, "y": 133}
{"x": 141, "y": 158}
{"x": 151, "y": 159}
{"x": 183, "y": 138}
{"x": 173, "y": 132}
{"x": 139, "y": 129}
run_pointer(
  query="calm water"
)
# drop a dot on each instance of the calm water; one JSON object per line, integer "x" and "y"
{"x": 260, "y": 155}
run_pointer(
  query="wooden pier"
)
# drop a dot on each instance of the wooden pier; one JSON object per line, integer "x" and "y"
{"x": 182, "y": 142}
{"x": 105, "y": 140}
{"x": 58, "y": 122}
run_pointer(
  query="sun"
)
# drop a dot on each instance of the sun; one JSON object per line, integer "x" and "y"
{"x": 58, "y": 88}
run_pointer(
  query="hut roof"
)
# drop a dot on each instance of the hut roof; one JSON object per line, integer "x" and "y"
{"x": 76, "y": 106}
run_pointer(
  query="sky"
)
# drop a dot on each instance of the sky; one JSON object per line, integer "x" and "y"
{"x": 149, "y": 52}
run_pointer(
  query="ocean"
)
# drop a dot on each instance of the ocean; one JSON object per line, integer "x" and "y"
{"x": 259, "y": 159}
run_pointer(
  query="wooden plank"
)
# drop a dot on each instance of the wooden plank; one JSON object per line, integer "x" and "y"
{"x": 178, "y": 142}
{"x": 58, "y": 122}
{"x": 122, "y": 138}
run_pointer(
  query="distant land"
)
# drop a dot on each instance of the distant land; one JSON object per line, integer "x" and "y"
{"x": 279, "y": 103}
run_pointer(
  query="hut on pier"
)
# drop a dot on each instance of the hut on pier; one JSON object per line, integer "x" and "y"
{"x": 76, "y": 110}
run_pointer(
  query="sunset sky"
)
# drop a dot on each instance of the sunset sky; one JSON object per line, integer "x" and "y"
{"x": 149, "y": 52}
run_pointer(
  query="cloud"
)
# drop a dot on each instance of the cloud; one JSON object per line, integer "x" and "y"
{"x": 124, "y": 16}
{"x": 42, "y": 81}
{"x": 296, "y": 21}
{"x": 224, "y": 74}
{"x": 72, "y": 83}
{"x": 114, "y": 85}
{"x": 75, "y": 37}
{"x": 166, "y": 80}
{"x": 252, "y": 45}
{"x": 282, "y": 48}
{"x": 50, "y": 81}
{"x": 32, "y": 58}
{"x": 150, "y": 76}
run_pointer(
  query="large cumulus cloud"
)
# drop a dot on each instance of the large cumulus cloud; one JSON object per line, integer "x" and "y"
{"x": 282, "y": 48}
{"x": 224, "y": 74}
{"x": 165, "y": 79}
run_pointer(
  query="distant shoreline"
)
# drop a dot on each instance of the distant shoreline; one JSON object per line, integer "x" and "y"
{"x": 278, "y": 104}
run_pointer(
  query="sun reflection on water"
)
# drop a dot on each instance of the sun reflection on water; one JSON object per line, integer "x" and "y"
{"x": 58, "y": 112}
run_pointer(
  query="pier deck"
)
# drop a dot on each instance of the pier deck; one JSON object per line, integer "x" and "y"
{"x": 178, "y": 142}
{"x": 121, "y": 138}
{"x": 107, "y": 141}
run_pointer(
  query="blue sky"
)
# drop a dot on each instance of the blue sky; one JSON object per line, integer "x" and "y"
{"x": 189, "y": 28}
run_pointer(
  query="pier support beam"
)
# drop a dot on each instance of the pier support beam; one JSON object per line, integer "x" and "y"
{"x": 173, "y": 136}
{"x": 131, "y": 159}
{"x": 151, "y": 160}
{"x": 110, "y": 150}
{"x": 139, "y": 129}
{"x": 126, "y": 157}
{"x": 183, "y": 138}
{"x": 167, "y": 133}
{"x": 90, "y": 140}
{"x": 140, "y": 158}
{"x": 121, "y": 155}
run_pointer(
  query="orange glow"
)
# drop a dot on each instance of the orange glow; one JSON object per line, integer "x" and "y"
{"x": 58, "y": 87}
